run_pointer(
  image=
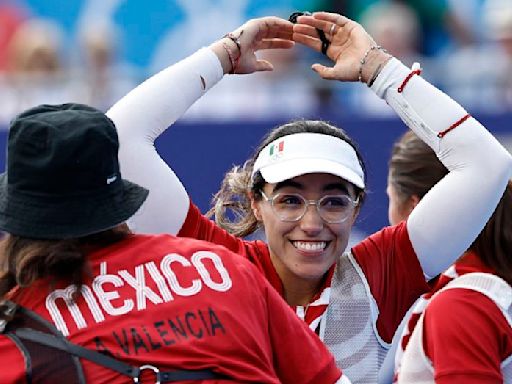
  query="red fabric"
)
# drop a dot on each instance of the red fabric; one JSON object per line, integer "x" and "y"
{"x": 393, "y": 273}
{"x": 387, "y": 259}
{"x": 453, "y": 126}
{"x": 199, "y": 227}
{"x": 244, "y": 330}
{"x": 406, "y": 80}
{"x": 12, "y": 365}
{"x": 478, "y": 335}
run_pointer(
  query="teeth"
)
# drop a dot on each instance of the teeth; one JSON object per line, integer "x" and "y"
{"x": 310, "y": 246}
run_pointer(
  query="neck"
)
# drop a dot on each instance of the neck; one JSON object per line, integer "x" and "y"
{"x": 300, "y": 294}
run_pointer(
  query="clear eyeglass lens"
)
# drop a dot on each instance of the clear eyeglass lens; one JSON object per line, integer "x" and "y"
{"x": 331, "y": 208}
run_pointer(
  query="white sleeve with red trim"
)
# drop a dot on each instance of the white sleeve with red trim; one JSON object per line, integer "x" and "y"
{"x": 452, "y": 214}
{"x": 140, "y": 117}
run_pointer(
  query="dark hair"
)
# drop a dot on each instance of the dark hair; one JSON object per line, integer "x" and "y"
{"x": 494, "y": 244}
{"x": 24, "y": 260}
{"x": 231, "y": 204}
{"x": 414, "y": 167}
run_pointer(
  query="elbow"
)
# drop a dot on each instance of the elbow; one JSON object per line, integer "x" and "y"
{"x": 503, "y": 165}
{"x": 493, "y": 161}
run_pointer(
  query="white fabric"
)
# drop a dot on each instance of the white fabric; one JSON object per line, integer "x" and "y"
{"x": 302, "y": 153}
{"x": 140, "y": 117}
{"x": 351, "y": 323}
{"x": 343, "y": 380}
{"x": 387, "y": 369}
{"x": 452, "y": 214}
{"x": 416, "y": 367}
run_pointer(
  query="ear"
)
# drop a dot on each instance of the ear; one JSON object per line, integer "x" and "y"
{"x": 411, "y": 203}
{"x": 255, "y": 206}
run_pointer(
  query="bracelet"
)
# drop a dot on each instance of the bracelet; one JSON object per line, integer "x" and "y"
{"x": 374, "y": 76}
{"x": 365, "y": 57}
{"x": 232, "y": 60}
{"x": 235, "y": 40}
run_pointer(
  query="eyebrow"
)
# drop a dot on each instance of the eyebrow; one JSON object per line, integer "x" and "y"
{"x": 328, "y": 187}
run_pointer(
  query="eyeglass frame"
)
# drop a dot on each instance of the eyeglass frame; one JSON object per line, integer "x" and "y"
{"x": 308, "y": 202}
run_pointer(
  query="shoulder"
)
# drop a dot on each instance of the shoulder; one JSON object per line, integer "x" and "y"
{"x": 465, "y": 317}
{"x": 466, "y": 336}
{"x": 454, "y": 302}
{"x": 151, "y": 247}
{"x": 188, "y": 246}
{"x": 388, "y": 251}
{"x": 388, "y": 238}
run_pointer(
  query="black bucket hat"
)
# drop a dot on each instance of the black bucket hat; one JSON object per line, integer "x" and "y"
{"x": 62, "y": 179}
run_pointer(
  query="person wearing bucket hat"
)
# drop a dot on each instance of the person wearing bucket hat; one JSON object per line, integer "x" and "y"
{"x": 56, "y": 185}
{"x": 305, "y": 184}
{"x": 82, "y": 299}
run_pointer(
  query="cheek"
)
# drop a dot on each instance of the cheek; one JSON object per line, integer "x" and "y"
{"x": 275, "y": 229}
{"x": 342, "y": 230}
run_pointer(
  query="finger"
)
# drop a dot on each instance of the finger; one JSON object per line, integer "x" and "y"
{"x": 305, "y": 30}
{"x": 275, "y": 44}
{"x": 264, "y": 65}
{"x": 308, "y": 41}
{"x": 324, "y": 72}
{"x": 279, "y": 34}
{"x": 276, "y": 21}
{"x": 313, "y": 22}
{"x": 333, "y": 29}
{"x": 276, "y": 27}
{"x": 332, "y": 17}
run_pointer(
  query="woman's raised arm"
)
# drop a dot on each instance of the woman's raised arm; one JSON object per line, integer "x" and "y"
{"x": 451, "y": 215}
{"x": 148, "y": 110}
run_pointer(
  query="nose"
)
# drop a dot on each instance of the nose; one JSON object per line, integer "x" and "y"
{"x": 311, "y": 223}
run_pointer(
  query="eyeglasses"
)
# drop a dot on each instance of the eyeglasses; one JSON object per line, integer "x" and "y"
{"x": 333, "y": 209}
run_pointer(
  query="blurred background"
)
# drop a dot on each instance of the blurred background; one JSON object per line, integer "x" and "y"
{"x": 94, "y": 51}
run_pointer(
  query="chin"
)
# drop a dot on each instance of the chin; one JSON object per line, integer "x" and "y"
{"x": 313, "y": 273}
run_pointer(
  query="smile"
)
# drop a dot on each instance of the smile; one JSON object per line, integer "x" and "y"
{"x": 310, "y": 246}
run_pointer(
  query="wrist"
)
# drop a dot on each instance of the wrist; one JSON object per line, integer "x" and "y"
{"x": 372, "y": 63}
{"x": 227, "y": 52}
{"x": 234, "y": 54}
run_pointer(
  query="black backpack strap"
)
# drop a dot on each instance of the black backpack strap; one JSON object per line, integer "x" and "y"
{"x": 57, "y": 341}
{"x": 109, "y": 362}
{"x": 42, "y": 364}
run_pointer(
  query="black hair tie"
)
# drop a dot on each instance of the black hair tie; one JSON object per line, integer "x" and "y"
{"x": 321, "y": 34}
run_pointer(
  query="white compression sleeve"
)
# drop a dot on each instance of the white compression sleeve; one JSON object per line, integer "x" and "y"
{"x": 454, "y": 211}
{"x": 140, "y": 117}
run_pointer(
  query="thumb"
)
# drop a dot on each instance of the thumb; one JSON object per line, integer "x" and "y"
{"x": 264, "y": 65}
{"x": 324, "y": 72}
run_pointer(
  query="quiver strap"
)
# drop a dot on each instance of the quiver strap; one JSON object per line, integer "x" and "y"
{"x": 51, "y": 358}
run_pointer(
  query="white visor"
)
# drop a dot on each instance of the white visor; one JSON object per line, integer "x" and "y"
{"x": 301, "y": 153}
